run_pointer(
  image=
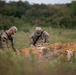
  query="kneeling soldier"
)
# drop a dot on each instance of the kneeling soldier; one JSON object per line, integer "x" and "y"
{"x": 39, "y": 37}
{"x": 6, "y": 37}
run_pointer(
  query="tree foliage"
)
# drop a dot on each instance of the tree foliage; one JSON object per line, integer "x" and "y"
{"x": 23, "y": 13}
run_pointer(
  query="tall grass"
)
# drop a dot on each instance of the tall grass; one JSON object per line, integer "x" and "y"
{"x": 11, "y": 64}
{"x": 18, "y": 64}
{"x": 22, "y": 38}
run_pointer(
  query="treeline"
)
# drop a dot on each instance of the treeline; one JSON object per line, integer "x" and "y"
{"x": 23, "y": 14}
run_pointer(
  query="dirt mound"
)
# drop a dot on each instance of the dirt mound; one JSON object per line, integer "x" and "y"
{"x": 59, "y": 49}
{"x": 28, "y": 51}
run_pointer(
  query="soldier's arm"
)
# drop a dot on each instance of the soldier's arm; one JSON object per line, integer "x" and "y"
{"x": 12, "y": 44}
{"x": 47, "y": 40}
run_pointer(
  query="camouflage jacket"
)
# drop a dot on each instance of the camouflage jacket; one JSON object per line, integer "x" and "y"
{"x": 5, "y": 40}
{"x": 44, "y": 38}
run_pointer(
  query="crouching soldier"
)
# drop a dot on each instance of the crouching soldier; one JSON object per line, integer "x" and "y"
{"x": 39, "y": 37}
{"x": 6, "y": 38}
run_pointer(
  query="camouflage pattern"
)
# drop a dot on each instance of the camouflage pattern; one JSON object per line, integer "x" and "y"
{"x": 5, "y": 42}
{"x": 44, "y": 38}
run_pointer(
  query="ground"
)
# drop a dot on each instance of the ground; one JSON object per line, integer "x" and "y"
{"x": 67, "y": 50}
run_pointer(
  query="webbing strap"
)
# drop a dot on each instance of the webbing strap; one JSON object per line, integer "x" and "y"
{"x": 37, "y": 38}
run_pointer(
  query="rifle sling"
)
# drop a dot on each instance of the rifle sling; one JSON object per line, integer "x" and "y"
{"x": 37, "y": 38}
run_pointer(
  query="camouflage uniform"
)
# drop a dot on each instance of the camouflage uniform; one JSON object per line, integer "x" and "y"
{"x": 44, "y": 38}
{"x": 5, "y": 41}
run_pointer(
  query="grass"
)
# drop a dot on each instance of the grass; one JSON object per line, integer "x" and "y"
{"x": 11, "y": 64}
{"x": 22, "y": 38}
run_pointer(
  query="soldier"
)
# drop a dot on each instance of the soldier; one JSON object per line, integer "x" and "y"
{"x": 6, "y": 37}
{"x": 39, "y": 37}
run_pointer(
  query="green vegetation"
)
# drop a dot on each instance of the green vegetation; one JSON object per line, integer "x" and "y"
{"x": 56, "y": 35}
{"x": 11, "y": 64}
{"x": 23, "y": 14}
{"x": 58, "y": 20}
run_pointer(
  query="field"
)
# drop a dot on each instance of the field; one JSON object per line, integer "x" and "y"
{"x": 56, "y": 35}
{"x": 20, "y": 64}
